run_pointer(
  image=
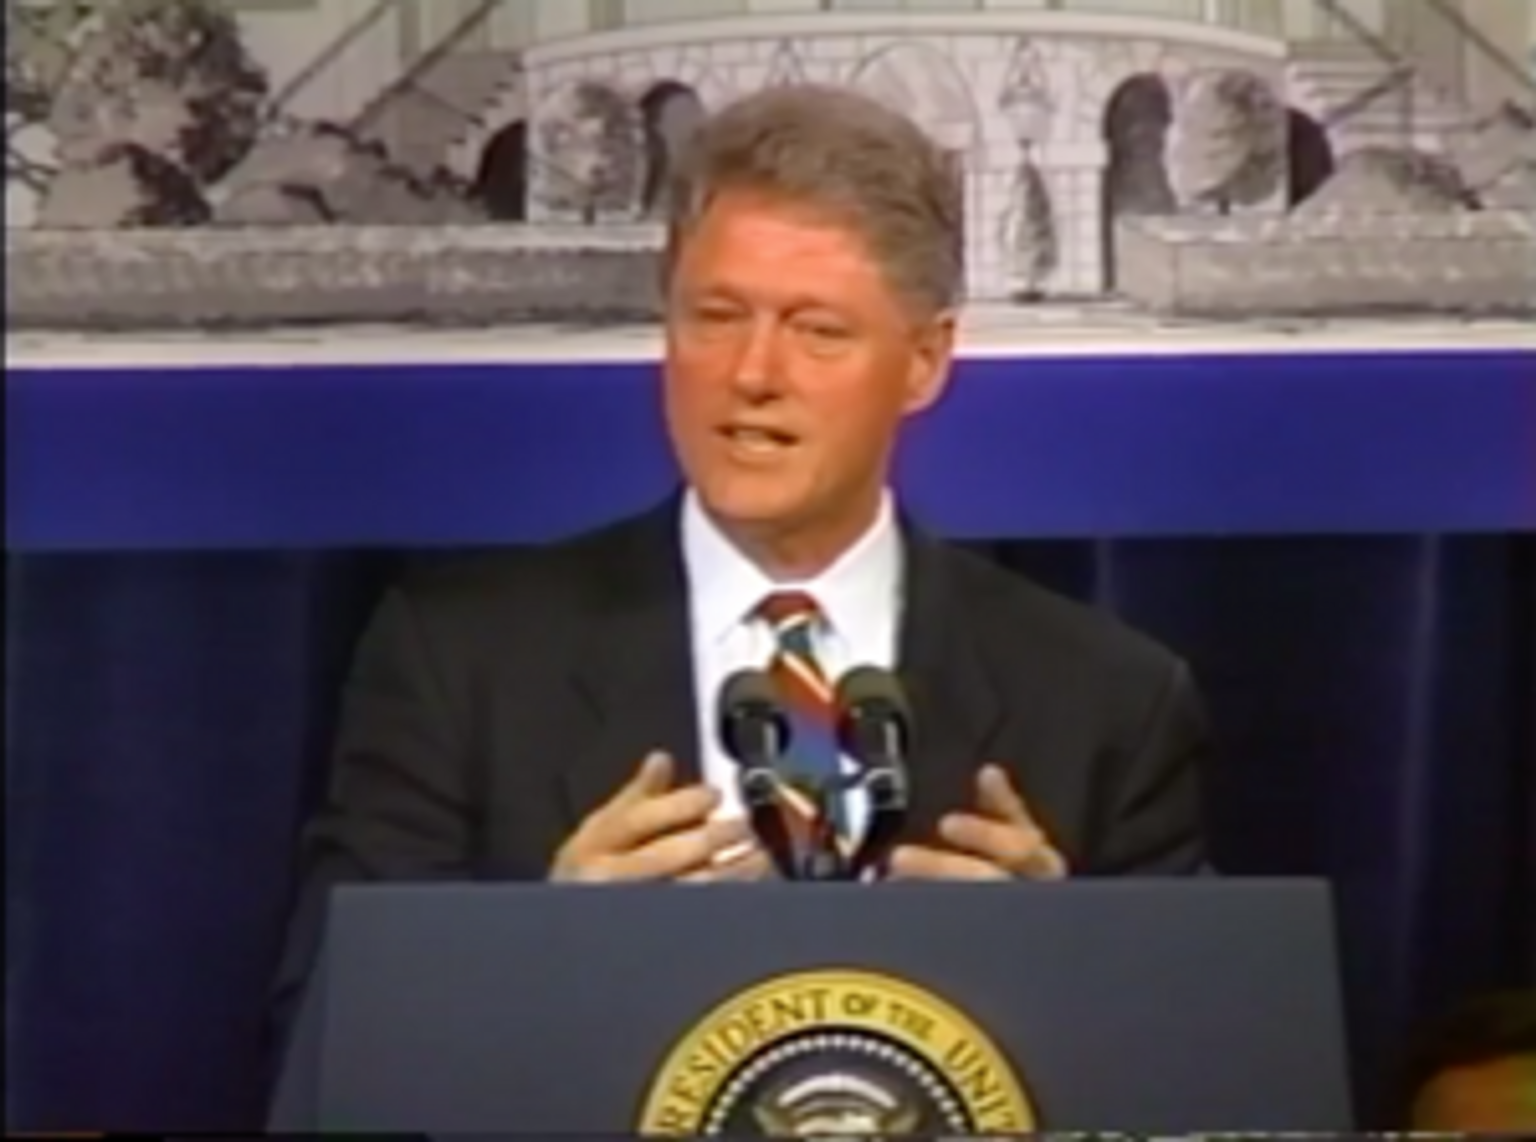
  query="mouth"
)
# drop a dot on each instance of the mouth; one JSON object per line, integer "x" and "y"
{"x": 756, "y": 440}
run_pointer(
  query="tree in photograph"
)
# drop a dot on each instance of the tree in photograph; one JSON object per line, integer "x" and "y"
{"x": 171, "y": 77}
{"x": 589, "y": 152}
{"x": 125, "y": 187}
{"x": 36, "y": 53}
{"x": 39, "y": 47}
{"x": 309, "y": 173}
{"x": 1227, "y": 145}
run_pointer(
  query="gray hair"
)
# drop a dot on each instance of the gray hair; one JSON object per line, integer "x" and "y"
{"x": 832, "y": 148}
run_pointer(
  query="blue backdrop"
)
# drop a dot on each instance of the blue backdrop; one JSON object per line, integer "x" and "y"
{"x": 1342, "y": 547}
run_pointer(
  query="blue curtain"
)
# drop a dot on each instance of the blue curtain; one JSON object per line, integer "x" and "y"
{"x": 168, "y": 714}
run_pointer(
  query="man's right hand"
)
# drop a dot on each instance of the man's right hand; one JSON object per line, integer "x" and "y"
{"x": 650, "y": 831}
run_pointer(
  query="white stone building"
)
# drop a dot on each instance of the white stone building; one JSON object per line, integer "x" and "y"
{"x": 987, "y": 77}
{"x": 462, "y": 83}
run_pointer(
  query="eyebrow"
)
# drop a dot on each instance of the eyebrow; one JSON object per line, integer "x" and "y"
{"x": 793, "y": 302}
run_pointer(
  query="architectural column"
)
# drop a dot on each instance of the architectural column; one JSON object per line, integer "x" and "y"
{"x": 605, "y": 15}
{"x": 409, "y": 31}
{"x": 1074, "y": 175}
{"x": 1423, "y": 33}
{"x": 1303, "y": 23}
{"x": 443, "y": 18}
{"x": 559, "y": 19}
{"x": 1372, "y": 14}
{"x": 1473, "y": 50}
{"x": 1262, "y": 17}
{"x": 512, "y": 27}
{"x": 350, "y": 81}
{"x": 319, "y": 68}
{"x": 1494, "y": 51}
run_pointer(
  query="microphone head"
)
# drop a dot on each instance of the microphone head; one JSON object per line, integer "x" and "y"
{"x": 748, "y": 688}
{"x": 874, "y": 725}
{"x": 873, "y": 714}
{"x": 868, "y": 690}
{"x": 748, "y": 699}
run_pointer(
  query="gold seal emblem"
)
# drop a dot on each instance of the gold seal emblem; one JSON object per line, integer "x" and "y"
{"x": 836, "y": 1053}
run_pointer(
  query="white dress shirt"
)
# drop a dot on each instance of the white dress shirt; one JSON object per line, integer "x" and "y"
{"x": 859, "y": 595}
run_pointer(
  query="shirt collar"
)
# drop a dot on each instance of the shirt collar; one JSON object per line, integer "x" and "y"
{"x": 725, "y": 586}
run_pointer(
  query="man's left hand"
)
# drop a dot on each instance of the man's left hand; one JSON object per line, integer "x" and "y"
{"x": 999, "y": 841}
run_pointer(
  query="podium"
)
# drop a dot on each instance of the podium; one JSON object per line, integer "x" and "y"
{"x": 1096, "y": 1005}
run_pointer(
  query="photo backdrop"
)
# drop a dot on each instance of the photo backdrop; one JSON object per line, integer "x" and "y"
{"x": 1249, "y": 362}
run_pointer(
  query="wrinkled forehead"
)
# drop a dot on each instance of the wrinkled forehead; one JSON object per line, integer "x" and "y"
{"x": 754, "y": 239}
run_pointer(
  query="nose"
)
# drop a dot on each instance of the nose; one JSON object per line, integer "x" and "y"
{"x": 756, "y": 373}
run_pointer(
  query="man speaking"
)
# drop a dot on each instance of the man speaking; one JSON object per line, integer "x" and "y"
{"x": 558, "y": 714}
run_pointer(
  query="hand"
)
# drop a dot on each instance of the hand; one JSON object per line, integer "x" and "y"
{"x": 999, "y": 841}
{"x": 743, "y": 861}
{"x": 650, "y": 831}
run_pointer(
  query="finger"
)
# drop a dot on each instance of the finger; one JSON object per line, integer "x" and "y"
{"x": 735, "y": 852}
{"x": 688, "y": 853}
{"x": 1019, "y": 849}
{"x": 756, "y": 865}
{"x": 919, "y": 862}
{"x": 652, "y": 777}
{"x": 678, "y": 854}
{"x": 751, "y": 864}
{"x": 996, "y": 796}
{"x": 624, "y": 822}
{"x": 632, "y": 825}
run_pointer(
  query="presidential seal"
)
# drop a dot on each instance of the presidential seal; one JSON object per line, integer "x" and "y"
{"x": 836, "y": 1053}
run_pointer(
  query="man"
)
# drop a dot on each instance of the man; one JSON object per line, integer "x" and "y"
{"x": 551, "y": 715}
{"x": 1475, "y": 1071}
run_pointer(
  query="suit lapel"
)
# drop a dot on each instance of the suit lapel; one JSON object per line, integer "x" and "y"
{"x": 956, "y": 710}
{"x": 634, "y": 673}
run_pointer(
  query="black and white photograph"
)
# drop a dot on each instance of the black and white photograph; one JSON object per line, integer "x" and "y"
{"x": 261, "y": 165}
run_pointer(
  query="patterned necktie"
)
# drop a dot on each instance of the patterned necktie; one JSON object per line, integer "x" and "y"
{"x": 814, "y": 758}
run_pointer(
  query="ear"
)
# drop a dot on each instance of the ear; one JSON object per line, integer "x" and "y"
{"x": 933, "y": 352}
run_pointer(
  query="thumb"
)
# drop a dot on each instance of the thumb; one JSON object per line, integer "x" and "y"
{"x": 997, "y": 797}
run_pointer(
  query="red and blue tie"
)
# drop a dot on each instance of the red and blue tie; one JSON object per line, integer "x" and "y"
{"x": 814, "y": 760}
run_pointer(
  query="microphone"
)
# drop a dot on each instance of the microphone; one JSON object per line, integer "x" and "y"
{"x": 823, "y": 859}
{"x": 754, "y": 732}
{"x": 874, "y": 726}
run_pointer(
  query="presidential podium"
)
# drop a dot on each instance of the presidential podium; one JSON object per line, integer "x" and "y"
{"x": 1175, "y": 1005}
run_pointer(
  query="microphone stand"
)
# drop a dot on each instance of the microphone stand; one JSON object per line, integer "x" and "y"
{"x": 887, "y": 792}
{"x": 824, "y": 860}
{"x": 760, "y": 794}
{"x": 875, "y": 732}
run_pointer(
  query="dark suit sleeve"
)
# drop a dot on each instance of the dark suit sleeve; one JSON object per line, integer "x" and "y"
{"x": 398, "y": 803}
{"x": 1155, "y": 822}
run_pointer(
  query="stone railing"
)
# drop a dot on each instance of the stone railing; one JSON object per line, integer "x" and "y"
{"x": 1472, "y": 263}
{"x": 251, "y": 277}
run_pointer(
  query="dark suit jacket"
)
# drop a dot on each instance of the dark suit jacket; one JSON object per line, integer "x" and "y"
{"x": 495, "y": 702}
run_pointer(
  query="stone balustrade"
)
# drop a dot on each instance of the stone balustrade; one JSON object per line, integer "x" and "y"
{"x": 1333, "y": 264}
{"x": 256, "y": 276}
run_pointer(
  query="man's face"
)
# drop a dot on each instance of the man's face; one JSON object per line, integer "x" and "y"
{"x": 1497, "y": 1097}
{"x": 790, "y": 364}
